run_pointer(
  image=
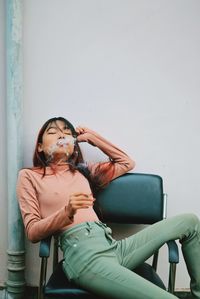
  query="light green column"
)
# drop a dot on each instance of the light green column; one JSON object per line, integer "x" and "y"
{"x": 16, "y": 251}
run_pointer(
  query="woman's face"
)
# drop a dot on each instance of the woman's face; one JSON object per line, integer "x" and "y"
{"x": 57, "y": 142}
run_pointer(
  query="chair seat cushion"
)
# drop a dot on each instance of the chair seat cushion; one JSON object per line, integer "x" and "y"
{"x": 59, "y": 286}
{"x": 146, "y": 271}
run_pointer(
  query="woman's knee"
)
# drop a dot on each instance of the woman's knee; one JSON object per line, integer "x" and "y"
{"x": 192, "y": 219}
{"x": 185, "y": 224}
{"x": 191, "y": 222}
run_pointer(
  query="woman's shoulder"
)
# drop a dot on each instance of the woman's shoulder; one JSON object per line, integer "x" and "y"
{"x": 32, "y": 171}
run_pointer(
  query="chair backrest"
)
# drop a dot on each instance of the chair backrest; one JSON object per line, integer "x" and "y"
{"x": 132, "y": 198}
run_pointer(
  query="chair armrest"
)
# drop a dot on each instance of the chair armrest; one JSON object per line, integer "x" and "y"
{"x": 173, "y": 252}
{"x": 44, "y": 250}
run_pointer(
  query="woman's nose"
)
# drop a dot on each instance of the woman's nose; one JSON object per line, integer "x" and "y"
{"x": 61, "y": 135}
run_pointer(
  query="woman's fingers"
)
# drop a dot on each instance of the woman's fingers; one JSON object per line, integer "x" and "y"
{"x": 76, "y": 194}
{"x": 81, "y": 129}
{"x": 81, "y": 198}
{"x": 82, "y": 205}
{"x": 80, "y": 201}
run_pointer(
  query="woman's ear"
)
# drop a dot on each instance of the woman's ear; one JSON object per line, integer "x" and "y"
{"x": 40, "y": 148}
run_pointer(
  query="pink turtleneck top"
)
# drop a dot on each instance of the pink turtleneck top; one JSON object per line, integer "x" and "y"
{"x": 44, "y": 200}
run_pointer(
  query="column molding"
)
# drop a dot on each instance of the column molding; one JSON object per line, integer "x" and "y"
{"x": 14, "y": 107}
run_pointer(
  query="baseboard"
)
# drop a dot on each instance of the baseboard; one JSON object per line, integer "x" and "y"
{"x": 183, "y": 294}
{"x": 31, "y": 293}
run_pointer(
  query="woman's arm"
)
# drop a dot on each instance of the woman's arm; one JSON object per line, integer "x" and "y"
{"x": 37, "y": 228}
{"x": 121, "y": 162}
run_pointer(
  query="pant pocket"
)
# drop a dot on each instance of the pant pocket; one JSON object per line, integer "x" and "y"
{"x": 75, "y": 259}
{"x": 69, "y": 271}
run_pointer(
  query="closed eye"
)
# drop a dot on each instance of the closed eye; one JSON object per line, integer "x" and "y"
{"x": 52, "y": 131}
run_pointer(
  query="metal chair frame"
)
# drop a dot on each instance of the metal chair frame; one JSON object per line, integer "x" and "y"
{"x": 173, "y": 258}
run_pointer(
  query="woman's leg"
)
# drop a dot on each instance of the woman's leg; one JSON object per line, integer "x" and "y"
{"x": 91, "y": 262}
{"x": 111, "y": 280}
{"x": 135, "y": 249}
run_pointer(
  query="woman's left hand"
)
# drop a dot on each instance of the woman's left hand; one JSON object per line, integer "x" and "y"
{"x": 84, "y": 134}
{"x": 81, "y": 130}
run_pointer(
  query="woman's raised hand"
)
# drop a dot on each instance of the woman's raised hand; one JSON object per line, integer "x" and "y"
{"x": 79, "y": 201}
{"x": 84, "y": 134}
{"x": 81, "y": 130}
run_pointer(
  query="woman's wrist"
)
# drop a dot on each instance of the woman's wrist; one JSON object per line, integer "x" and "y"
{"x": 70, "y": 213}
{"x": 86, "y": 137}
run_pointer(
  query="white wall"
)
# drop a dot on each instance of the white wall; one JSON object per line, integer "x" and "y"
{"x": 128, "y": 69}
{"x": 3, "y": 198}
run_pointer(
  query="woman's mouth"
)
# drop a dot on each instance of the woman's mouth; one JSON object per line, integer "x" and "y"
{"x": 65, "y": 141}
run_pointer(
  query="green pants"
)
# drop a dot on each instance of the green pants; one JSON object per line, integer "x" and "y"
{"x": 100, "y": 264}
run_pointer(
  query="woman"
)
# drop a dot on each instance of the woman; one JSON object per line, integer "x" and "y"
{"x": 56, "y": 196}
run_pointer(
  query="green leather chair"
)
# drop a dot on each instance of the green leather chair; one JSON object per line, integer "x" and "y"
{"x": 133, "y": 198}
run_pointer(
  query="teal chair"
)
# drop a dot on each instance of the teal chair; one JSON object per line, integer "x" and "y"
{"x": 133, "y": 198}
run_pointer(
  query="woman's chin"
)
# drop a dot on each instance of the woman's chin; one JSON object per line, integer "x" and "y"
{"x": 60, "y": 157}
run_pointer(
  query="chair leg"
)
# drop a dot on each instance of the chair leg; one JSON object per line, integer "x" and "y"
{"x": 172, "y": 275}
{"x": 55, "y": 253}
{"x": 155, "y": 260}
{"x": 42, "y": 278}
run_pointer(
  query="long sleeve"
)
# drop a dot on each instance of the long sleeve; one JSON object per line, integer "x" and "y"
{"x": 121, "y": 161}
{"x": 36, "y": 227}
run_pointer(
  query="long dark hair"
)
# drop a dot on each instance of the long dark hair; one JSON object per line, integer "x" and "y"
{"x": 103, "y": 172}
